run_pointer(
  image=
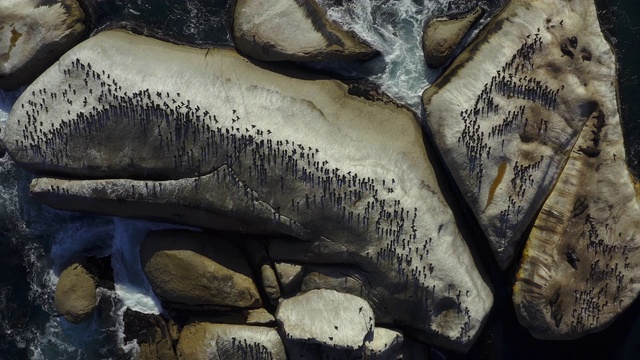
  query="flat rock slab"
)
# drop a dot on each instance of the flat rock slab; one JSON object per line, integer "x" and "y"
{"x": 276, "y": 30}
{"x": 75, "y": 296}
{"x": 221, "y": 143}
{"x": 229, "y": 342}
{"x": 189, "y": 268}
{"x": 579, "y": 269}
{"x": 508, "y": 111}
{"x": 442, "y": 36}
{"x": 33, "y": 35}
{"x": 326, "y": 317}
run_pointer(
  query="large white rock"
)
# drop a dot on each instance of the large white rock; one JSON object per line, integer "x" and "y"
{"x": 326, "y": 317}
{"x": 579, "y": 270}
{"x": 33, "y": 35}
{"x": 276, "y": 30}
{"x": 221, "y": 143}
{"x": 508, "y": 111}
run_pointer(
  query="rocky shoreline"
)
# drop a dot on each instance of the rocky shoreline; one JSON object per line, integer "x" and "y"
{"x": 345, "y": 244}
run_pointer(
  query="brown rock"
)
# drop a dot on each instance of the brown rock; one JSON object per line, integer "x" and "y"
{"x": 290, "y": 276}
{"x": 75, "y": 296}
{"x": 196, "y": 269}
{"x": 152, "y": 334}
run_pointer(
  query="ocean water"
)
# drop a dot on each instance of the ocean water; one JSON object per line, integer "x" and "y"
{"x": 39, "y": 242}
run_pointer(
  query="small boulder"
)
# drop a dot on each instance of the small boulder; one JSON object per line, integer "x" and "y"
{"x": 33, "y": 35}
{"x": 386, "y": 344}
{"x": 259, "y": 317}
{"x": 229, "y": 342}
{"x": 75, "y": 296}
{"x": 270, "y": 283}
{"x": 326, "y": 317}
{"x": 443, "y": 35}
{"x": 190, "y": 268}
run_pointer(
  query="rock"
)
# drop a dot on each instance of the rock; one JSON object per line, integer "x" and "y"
{"x": 75, "y": 296}
{"x": 270, "y": 283}
{"x": 386, "y": 344}
{"x": 290, "y": 276}
{"x": 229, "y": 342}
{"x": 276, "y": 30}
{"x": 507, "y": 112}
{"x": 259, "y": 317}
{"x": 326, "y": 317}
{"x": 349, "y": 281}
{"x": 365, "y": 183}
{"x": 152, "y": 334}
{"x": 197, "y": 269}
{"x": 579, "y": 269}
{"x": 442, "y": 36}
{"x": 33, "y": 35}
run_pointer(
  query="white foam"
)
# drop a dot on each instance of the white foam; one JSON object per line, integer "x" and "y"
{"x": 395, "y": 27}
{"x": 131, "y": 284}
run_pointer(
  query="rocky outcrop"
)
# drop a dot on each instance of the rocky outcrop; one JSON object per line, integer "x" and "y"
{"x": 508, "y": 111}
{"x": 33, "y": 35}
{"x": 196, "y": 269}
{"x": 229, "y": 342}
{"x": 442, "y": 36}
{"x": 347, "y": 179}
{"x": 152, "y": 334}
{"x": 276, "y": 30}
{"x": 579, "y": 269}
{"x": 75, "y": 296}
{"x": 326, "y": 317}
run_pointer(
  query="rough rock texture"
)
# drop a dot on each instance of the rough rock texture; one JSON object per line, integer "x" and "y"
{"x": 442, "y": 36}
{"x": 275, "y": 30}
{"x": 290, "y": 276}
{"x": 347, "y": 177}
{"x": 75, "y": 296}
{"x": 326, "y": 317}
{"x": 33, "y": 35}
{"x": 197, "y": 269}
{"x": 151, "y": 333}
{"x": 229, "y": 342}
{"x": 580, "y": 264}
{"x": 507, "y": 113}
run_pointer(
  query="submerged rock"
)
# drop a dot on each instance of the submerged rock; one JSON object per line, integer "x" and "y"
{"x": 229, "y": 342}
{"x": 579, "y": 269}
{"x": 443, "y": 35}
{"x": 33, "y": 35}
{"x": 326, "y": 317}
{"x": 75, "y": 296}
{"x": 507, "y": 113}
{"x": 185, "y": 267}
{"x": 220, "y": 143}
{"x": 276, "y": 30}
